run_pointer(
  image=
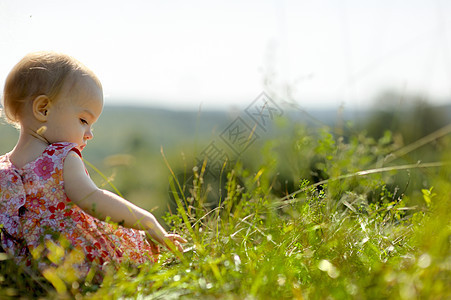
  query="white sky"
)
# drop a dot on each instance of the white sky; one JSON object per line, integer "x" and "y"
{"x": 214, "y": 54}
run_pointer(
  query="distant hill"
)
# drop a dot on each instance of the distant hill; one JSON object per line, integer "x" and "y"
{"x": 122, "y": 127}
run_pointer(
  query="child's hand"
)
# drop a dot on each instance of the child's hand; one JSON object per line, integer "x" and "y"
{"x": 173, "y": 242}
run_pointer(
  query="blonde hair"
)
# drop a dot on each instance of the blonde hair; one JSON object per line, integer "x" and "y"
{"x": 39, "y": 73}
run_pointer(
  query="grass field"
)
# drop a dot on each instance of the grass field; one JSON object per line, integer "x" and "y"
{"x": 370, "y": 223}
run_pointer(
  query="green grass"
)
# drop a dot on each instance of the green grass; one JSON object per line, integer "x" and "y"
{"x": 380, "y": 234}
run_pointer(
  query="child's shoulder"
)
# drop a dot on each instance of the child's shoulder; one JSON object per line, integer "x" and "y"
{"x": 4, "y": 171}
{"x": 3, "y": 158}
{"x": 5, "y": 162}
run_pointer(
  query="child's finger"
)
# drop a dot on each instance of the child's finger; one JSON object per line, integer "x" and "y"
{"x": 174, "y": 246}
{"x": 176, "y": 237}
{"x": 178, "y": 245}
{"x": 173, "y": 243}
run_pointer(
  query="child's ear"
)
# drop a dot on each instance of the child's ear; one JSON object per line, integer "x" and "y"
{"x": 41, "y": 106}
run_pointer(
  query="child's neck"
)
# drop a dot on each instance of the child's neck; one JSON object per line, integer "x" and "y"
{"x": 29, "y": 147}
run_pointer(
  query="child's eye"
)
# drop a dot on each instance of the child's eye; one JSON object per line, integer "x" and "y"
{"x": 83, "y": 121}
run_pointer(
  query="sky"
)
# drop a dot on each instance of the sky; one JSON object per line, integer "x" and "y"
{"x": 223, "y": 54}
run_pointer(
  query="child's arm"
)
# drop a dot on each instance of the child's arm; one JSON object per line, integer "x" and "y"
{"x": 101, "y": 203}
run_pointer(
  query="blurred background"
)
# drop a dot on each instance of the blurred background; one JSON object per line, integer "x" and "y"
{"x": 180, "y": 76}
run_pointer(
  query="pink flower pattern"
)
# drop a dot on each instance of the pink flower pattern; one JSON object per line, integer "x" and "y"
{"x": 44, "y": 167}
{"x": 33, "y": 206}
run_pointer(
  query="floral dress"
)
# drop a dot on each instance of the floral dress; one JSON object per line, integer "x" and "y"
{"x": 36, "y": 217}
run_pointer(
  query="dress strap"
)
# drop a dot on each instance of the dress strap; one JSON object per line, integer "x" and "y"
{"x": 59, "y": 151}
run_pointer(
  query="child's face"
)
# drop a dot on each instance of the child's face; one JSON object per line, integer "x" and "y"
{"x": 73, "y": 113}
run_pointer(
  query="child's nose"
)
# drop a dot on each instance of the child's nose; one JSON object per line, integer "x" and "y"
{"x": 88, "y": 134}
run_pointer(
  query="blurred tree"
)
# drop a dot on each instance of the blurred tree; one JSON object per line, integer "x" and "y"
{"x": 408, "y": 116}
